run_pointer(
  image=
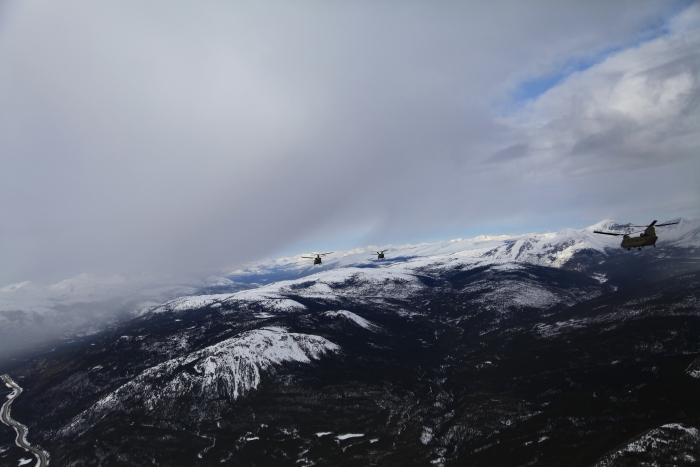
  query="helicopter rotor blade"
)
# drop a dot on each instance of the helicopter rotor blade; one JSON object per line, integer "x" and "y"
{"x": 667, "y": 223}
{"x": 607, "y": 233}
{"x": 324, "y": 254}
{"x": 644, "y": 226}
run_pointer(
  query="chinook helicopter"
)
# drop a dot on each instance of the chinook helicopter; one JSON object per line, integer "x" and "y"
{"x": 380, "y": 254}
{"x": 646, "y": 238}
{"x": 317, "y": 258}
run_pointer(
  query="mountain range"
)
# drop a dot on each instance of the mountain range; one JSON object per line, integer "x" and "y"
{"x": 539, "y": 349}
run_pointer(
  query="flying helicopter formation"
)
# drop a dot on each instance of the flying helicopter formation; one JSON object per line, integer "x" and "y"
{"x": 317, "y": 259}
{"x": 647, "y": 237}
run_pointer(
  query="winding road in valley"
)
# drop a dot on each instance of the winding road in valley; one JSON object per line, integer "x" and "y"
{"x": 21, "y": 440}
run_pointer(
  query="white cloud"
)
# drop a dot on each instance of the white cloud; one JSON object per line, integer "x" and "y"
{"x": 178, "y": 136}
{"x": 638, "y": 108}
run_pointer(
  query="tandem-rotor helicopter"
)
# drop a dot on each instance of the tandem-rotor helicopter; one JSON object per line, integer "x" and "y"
{"x": 317, "y": 258}
{"x": 646, "y": 238}
{"x": 380, "y": 254}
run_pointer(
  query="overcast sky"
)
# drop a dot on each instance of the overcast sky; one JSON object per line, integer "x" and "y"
{"x": 192, "y": 136}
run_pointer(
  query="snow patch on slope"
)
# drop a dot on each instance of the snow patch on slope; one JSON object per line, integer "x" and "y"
{"x": 350, "y": 316}
{"x": 506, "y": 294}
{"x": 693, "y": 369}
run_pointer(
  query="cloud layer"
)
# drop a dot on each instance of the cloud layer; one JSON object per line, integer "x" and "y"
{"x": 177, "y": 136}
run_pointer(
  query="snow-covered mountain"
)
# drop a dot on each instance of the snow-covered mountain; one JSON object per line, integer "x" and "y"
{"x": 539, "y": 348}
{"x": 393, "y": 281}
{"x": 228, "y": 370}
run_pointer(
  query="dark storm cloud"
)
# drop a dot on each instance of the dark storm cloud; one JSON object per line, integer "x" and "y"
{"x": 607, "y": 139}
{"x": 189, "y": 136}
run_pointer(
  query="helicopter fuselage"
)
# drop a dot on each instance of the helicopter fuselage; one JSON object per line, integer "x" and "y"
{"x": 317, "y": 261}
{"x": 648, "y": 238}
{"x": 638, "y": 242}
{"x": 381, "y": 256}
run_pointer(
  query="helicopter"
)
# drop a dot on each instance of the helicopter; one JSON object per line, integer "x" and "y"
{"x": 317, "y": 258}
{"x": 646, "y": 238}
{"x": 380, "y": 254}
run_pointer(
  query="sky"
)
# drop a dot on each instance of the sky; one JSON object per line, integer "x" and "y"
{"x": 190, "y": 137}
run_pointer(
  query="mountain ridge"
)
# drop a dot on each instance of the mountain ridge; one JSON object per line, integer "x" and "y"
{"x": 558, "y": 245}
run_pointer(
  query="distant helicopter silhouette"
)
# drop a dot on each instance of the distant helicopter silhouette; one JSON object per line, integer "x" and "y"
{"x": 317, "y": 258}
{"x": 380, "y": 254}
{"x": 646, "y": 238}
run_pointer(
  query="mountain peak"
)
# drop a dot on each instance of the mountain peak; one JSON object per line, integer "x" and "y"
{"x": 606, "y": 224}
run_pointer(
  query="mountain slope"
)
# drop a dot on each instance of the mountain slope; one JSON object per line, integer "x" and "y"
{"x": 448, "y": 361}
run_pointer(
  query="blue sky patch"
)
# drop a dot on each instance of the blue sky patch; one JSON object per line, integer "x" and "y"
{"x": 531, "y": 89}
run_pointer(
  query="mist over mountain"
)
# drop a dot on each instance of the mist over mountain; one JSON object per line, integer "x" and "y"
{"x": 35, "y": 318}
{"x": 548, "y": 349}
